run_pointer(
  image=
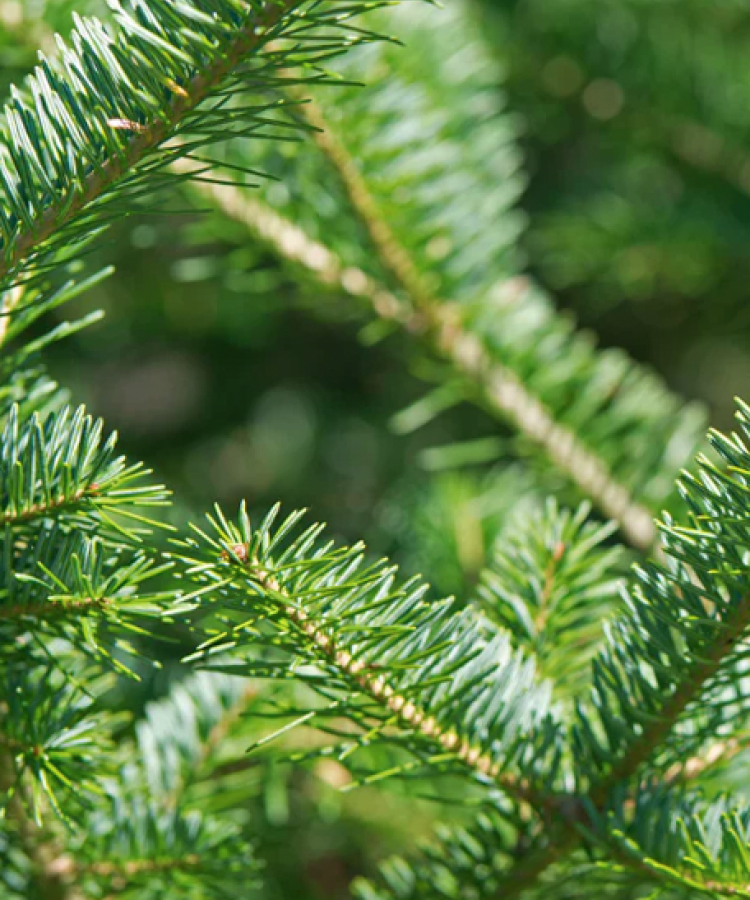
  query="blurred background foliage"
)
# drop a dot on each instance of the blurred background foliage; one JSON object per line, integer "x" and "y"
{"x": 232, "y": 380}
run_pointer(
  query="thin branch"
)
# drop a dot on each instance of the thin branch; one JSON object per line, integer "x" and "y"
{"x": 52, "y": 507}
{"x": 662, "y": 722}
{"x": 144, "y": 139}
{"x": 46, "y": 609}
{"x": 132, "y": 867}
{"x": 500, "y": 386}
{"x": 439, "y": 325}
{"x": 659, "y": 873}
{"x": 394, "y": 257}
{"x": 372, "y": 683}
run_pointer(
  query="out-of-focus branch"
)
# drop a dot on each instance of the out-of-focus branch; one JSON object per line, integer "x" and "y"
{"x": 52, "y": 870}
{"x": 439, "y": 325}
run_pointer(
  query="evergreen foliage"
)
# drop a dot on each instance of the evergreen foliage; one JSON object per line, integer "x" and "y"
{"x": 580, "y": 725}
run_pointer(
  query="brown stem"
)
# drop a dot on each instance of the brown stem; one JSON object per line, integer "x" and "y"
{"x": 393, "y": 256}
{"x": 131, "y": 867}
{"x": 49, "y": 508}
{"x": 46, "y": 609}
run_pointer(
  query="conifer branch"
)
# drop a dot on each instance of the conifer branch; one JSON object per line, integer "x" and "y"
{"x": 43, "y": 610}
{"x": 551, "y": 582}
{"x": 63, "y": 465}
{"x": 372, "y": 683}
{"x": 216, "y": 736}
{"x": 145, "y": 137}
{"x": 666, "y": 655}
{"x": 653, "y": 735}
{"x": 83, "y": 143}
{"x": 439, "y": 325}
{"x": 377, "y": 654}
{"x": 51, "y": 507}
{"x": 681, "y": 639}
{"x": 52, "y": 870}
{"x": 661, "y": 874}
{"x": 434, "y": 680}
{"x": 392, "y": 255}
{"x": 444, "y": 331}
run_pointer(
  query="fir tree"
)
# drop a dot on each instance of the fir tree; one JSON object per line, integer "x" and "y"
{"x": 589, "y": 718}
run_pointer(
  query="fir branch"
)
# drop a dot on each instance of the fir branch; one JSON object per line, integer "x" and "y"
{"x": 89, "y": 591}
{"x": 372, "y": 682}
{"x": 657, "y": 873}
{"x": 439, "y": 325}
{"x": 307, "y": 590}
{"x": 52, "y": 869}
{"x": 678, "y": 838}
{"x": 182, "y": 734}
{"x": 126, "y": 843}
{"x": 393, "y": 256}
{"x": 86, "y": 108}
{"x": 45, "y": 510}
{"x": 671, "y": 656}
{"x": 690, "y": 687}
{"x": 63, "y": 465}
{"x": 680, "y": 647}
{"x": 666, "y": 654}
{"x": 459, "y": 863}
{"x": 44, "y": 609}
{"x": 443, "y": 330}
{"x": 143, "y": 139}
{"x": 444, "y": 186}
{"x": 551, "y": 583}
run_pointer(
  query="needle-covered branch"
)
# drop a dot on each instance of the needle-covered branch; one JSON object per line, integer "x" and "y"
{"x": 63, "y": 465}
{"x": 416, "y": 672}
{"x": 675, "y": 661}
{"x": 428, "y": 239}
{"x": 91, "y": 130}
